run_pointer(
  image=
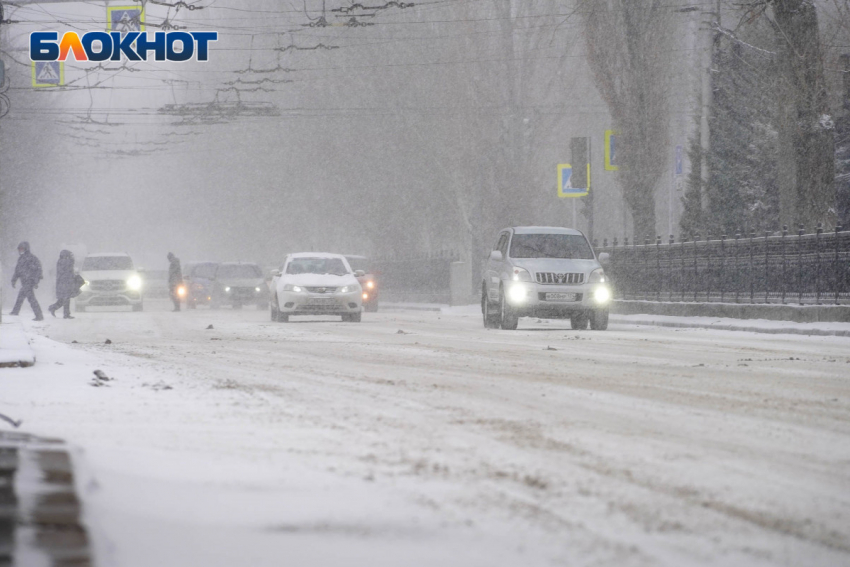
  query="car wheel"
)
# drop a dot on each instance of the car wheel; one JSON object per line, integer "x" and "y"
{"x": 579, "y": 321}
{"x": 352, "y": 317}
{"x": 599, "y": 320}
{"x": 491, "y": 320}
{"x": 508, "y": 320}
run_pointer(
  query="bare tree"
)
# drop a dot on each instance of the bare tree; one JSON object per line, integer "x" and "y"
{"x": 628, "y": 50}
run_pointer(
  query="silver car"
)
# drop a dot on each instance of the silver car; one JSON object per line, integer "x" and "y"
{"x": 313, "y": 283}
{"x": 547, "y": 272}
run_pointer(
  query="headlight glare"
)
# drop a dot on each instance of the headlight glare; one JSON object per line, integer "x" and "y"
{"x": 370, "y": 284}
{"x": 517, "y": 293}
{"x": 227, "y": 290}
{"x": 134, "y": 283}
{"x": 602, "y": 295}
{"x": 257, "y": 289}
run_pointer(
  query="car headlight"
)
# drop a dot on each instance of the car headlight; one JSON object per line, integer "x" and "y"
{"x": 85, "y": 286}
{"x": 348, "y": 288}
{"x": 257, "y": 289}
{"x": 134, "y": 283}
{"x": 181, "y": 291}
{"x": 517, "y": 293}
{"x": 295, "y": 288}
{"x": 602, "y": 295}
{"x": 227, "y": 290}
{"x": 370, "y": 284}
{"x": 521, "y": 275}
{"x": 597, "y": 276}
{"x": 365, "y": 296}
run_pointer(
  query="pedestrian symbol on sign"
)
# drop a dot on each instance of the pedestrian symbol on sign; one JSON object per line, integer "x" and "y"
{"x": 48, "y": 74}
{"x": 125, "y": 18}
{"x": 565, "y": 185}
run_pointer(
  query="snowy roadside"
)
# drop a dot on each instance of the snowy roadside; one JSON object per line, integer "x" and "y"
{"x": 713, "y": 323}
{"x": 15, "y": 348}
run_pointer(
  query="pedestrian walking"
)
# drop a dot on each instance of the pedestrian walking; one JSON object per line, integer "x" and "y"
{"x": 66, "y": 285}
{"x": 28, "y": 270}
{"x": 175, "y": 279}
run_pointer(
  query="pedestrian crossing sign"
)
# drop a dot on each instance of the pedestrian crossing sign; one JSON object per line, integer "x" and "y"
{"x": 565, "y": 186}
{"x": 125, "y": 18}
{"x": 48, "y": 74}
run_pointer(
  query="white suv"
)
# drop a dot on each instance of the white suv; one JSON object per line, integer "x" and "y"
{"x": 111, "y": 279}
{"x": 544, "y": 272}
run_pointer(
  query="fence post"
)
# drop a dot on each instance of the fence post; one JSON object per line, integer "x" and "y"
{"x": 737, "y": 269}
{"x": 659, "y": 281}
{"x": 670, "y": 272}
{"x": 626, "y": 263}
{"x": 818, "y": 232}
{"x": 613, "y": 273}
{"x": 682, "y": 270}
{"x": 766, "y": 267}
{"x": 696, "y": 270}
{"x": 752, "y": 267}
{"x": 722, "y": 267}
{"x": 835, "y": 264}
{"x": 800, "y": 264}
{"x": 784, "y": 262}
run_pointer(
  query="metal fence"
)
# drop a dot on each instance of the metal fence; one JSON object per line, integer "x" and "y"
{"x": 777, "y": 268}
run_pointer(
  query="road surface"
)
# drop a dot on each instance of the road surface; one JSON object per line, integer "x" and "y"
{"x": 420, "y": 438}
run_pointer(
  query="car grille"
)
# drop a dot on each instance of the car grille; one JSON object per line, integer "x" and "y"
{"x": 551, "y": 278}
{"x": 321, "y": 289}
{"x": 108, "y": 285}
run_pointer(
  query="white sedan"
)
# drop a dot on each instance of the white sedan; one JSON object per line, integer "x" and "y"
{"x": 312, "y": 283}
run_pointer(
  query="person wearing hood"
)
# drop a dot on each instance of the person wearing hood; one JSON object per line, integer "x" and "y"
{"x": 175, "y": 279}
{"x": 28, "y": 270}
{"x": 66, "y": 286}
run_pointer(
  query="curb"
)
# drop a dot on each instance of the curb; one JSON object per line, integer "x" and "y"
{"x": 728, "y": 327}
{"x": 15, "y": 350}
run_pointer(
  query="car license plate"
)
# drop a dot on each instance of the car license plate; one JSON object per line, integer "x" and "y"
{"x": 321, "y": 301}
{"x": 560, "y": 297}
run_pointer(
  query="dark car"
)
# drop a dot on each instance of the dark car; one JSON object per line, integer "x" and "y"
{"x": 199, "y": 278}
{"x": 367, "y": 279}
{"x": 238, "y": 284}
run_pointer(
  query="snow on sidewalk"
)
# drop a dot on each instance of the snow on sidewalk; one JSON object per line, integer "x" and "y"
{"x": 713, "y": 323}
{"x": 15, "y": 350}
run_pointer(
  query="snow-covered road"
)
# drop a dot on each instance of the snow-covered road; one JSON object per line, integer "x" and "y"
{"x": 419, "y": 438}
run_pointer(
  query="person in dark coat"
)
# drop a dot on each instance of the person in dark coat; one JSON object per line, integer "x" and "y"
{"x": 28, "y": 270}
{"x": 66, "y": 287}
{"x": 175, "y": 279}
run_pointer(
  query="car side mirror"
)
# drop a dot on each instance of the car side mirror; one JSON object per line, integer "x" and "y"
{"x": 275, "y": 273}
{"x": 359, "y": 273}
{"x": 604, "y": 258}
{"x": 496, "y": 255}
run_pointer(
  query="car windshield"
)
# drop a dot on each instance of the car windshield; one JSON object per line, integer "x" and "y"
{"x": 568, "y": 246}
{"x": 358, "y": 263}
{"x": 96, "y": 263}
{"x": 333, "y": 266}
{"x": 206, "y": 271}
{"x": 238, "y": 271}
